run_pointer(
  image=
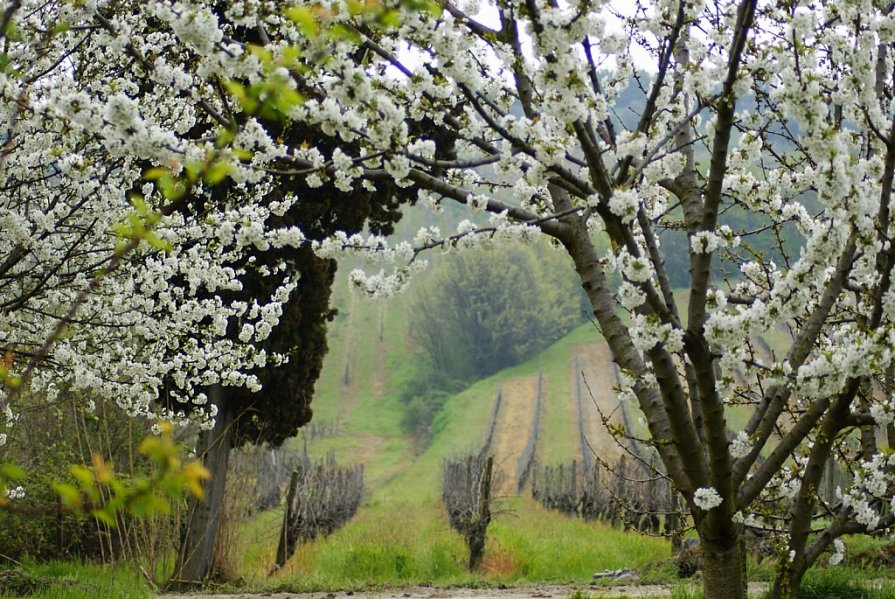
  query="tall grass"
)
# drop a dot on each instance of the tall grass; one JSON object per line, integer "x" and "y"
{"x": 842, "y": 583}
{"x": 72, "y": 580}
{"x": 376, "y": 550}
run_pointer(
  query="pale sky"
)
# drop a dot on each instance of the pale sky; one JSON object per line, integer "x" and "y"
{"x": 487, "y": 15}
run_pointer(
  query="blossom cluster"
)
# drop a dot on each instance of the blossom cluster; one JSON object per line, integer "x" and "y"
{"x": 77, "y": 144}
{"x": 707, "y": 498}
{"x": 17, "y": 492}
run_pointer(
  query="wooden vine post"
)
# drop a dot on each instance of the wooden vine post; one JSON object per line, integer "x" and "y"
{"x": 283, "y": 546}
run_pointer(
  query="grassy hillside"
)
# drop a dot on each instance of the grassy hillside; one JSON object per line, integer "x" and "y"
{"x": 401, "y": 533}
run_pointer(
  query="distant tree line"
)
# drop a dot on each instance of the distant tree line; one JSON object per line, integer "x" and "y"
{"x": 474, "y": 315}
{"x": 477, "y": 314}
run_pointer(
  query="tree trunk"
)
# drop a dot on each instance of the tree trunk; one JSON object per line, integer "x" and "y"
{"x": 204, "y": 517}
{"x": 724, "y": 570}
{"x": 787, "y": 582}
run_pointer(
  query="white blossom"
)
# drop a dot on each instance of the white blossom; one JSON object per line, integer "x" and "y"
{"x": 707, "y": 498}
{"x": 839, "y": 553}
{"x": 741, "y": 445}
{"x": 15, "y": 493}
{"x": 625, "y": 204}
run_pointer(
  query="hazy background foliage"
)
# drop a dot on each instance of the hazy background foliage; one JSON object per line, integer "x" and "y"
{"x": 480, "y": 313}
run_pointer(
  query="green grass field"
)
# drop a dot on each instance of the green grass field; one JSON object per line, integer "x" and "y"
{"x": 401, "y": 534}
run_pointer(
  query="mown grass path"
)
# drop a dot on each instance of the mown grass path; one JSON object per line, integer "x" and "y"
{"x": 514, "y": 420}
{"x": 598, "y": 399}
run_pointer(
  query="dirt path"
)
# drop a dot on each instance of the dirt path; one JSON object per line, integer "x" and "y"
{"x": 512, "y": 430}
{"x": 347, "y": 382}
{"x": 595, "y": 362}
{"x": 379, "y": 373}
{"x": 539, "y": 592}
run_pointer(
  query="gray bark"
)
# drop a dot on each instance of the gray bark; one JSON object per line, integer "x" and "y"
{"x": 204, "y": 519}
{"x": 724, "y": 568}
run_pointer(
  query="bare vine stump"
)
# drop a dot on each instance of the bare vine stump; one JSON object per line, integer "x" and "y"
{"x": 283, "y": 548}
{"x": 466, "y": 493}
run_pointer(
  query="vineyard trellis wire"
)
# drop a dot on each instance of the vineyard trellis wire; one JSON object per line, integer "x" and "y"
{"x": 630, "y": 493}
{"x": 322, "y": 497}
{"x": 634, "y": 491}
{"x": 526, "y": 462}
{"x": 492, "y": 425}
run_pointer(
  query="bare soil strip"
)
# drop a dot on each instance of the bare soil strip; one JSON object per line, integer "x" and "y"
{"x": 513, "y": 427}
{"x": 379, "y": 374}
{"x": 595, "y": 362}
{"x": 347, "y": 379}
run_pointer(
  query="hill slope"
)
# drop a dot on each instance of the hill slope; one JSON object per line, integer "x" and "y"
{"x": 401, "y": 534}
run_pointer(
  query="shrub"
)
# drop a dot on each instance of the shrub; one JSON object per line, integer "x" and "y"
{"x": 474, "y": 316}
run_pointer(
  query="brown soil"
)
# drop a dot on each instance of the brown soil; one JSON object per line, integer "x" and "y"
{"x": 600, "y": 401}
{"x": 883, "y": 557}
{"x": 377, "y": 385}
{"x": 514, "y": 420}
{"x": 349, "y": 391}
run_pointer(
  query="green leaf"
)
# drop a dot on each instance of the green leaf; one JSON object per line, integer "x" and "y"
{"x": 11, "y": 472}
{"x": 224, "y": 138}
{"x": 287, "y": 99}
{"x": 218, "y": 171}
{"x": 236, "y": 89}
{"x": 428, "y": 6}
{"x": 123, "y": 230}
{"x": 171, "y": 188}
{"x": 155, "y": 173}
{"x": 13, "y": 33}
{"x": 105, "y": 516}
{"x": 156, "y": 504}
{"x": 339, "y": 32}
{"x": 193, "y": 169}
{"x": 261, "y": 52}
{"x": 290, "y": 55}
{"x": 83, "y": 475}
{"x": 156, "y": 242}
{"x": 241, "y": 154}
{"x": 70, "y": 496}
{"x": 390, "y": 18}
{"x": 304, "y": 18}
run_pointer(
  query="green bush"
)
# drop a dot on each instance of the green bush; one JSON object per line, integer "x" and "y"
{"x": 481, "y": 312}
{"x": 44, "y": 443}
{"x": 76, "y": 463}
{"x": 423, "y": 396}
{"x": 72, "y": 580}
